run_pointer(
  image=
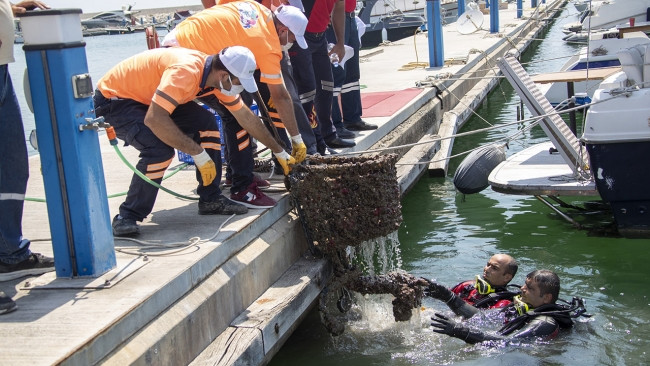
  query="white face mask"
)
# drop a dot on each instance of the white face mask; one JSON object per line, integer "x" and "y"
{"x": 288, "y": 45}
{"x": 234, "y": 89}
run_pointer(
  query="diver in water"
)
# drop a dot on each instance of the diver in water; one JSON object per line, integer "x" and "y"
{"x": 491, "y": 291}
{"x": 534, "y": 313}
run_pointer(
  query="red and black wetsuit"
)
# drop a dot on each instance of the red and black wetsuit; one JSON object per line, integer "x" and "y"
{"x": 500, "y": 298}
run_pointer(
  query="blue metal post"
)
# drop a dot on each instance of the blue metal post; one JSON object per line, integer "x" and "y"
{"x": 520, "y": 9}
{"x": 61, "y": 93}
{"x": 494, "y": 17}
{"x": 533, "y": 3}
{"x": 461, "y": 7}
{"x": 434, "y": 29}
{"x": 487, "y": 4}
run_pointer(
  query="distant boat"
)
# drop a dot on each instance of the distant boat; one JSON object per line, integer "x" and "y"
{"x": 18, "y": 32}
{"x": 392, "y": 20}
{"x": 111, "y": 19}
{"x": 179, "y": 16}
{"x": 607, "y": 14}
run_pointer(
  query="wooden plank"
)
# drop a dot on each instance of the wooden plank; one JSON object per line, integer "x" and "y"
{"x": 575, "y": 76}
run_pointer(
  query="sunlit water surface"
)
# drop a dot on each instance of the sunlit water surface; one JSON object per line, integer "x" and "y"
{"x": 449, "y": 237}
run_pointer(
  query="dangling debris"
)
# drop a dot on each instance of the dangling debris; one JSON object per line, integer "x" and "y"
{"x": 343, "y": 202}
{"x": 407, "y": 289}
{"x": 472, "y": 173}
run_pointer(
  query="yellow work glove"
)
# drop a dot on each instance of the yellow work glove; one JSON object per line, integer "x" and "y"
{"x": 298, "y": 149}
{"x": 284, "y": 159}
{"x": 206, "y": 167}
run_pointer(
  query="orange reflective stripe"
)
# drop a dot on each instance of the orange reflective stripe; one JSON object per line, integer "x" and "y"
{"x": 274, "y": 115}
{"x": 157, "y": 175}
{"x": 159, "y": 166}
{"x": 230, "y": 104}
{"x": 241, "y": 134}
{"x": 278, "y": 124}
{"x": 244, "y": 144}
{"x": 211, "y": 145}
{"x": 209, "y": 134}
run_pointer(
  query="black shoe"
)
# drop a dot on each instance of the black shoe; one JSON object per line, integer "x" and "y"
{"x": 359, "y": 126}
{"x": 340, "y": 143}
{"x": 222, "y": 206}
{"x": 34, "y": 264}
{"x": 124, "y": 227}
{"x": 7, "y": 305}
{"x": 344, "y": 133}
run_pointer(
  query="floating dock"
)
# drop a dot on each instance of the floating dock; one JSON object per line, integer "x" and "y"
{"x": 233, "y": 296}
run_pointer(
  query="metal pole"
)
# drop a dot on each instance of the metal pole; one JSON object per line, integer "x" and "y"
{"x": 520, "y": 9}
{"x": 461, "y": 7}
{"x": 533, "y": 3}
{"x": 434, "y": 29}
{"x": 572, "y": 115}
{"x": 494, "y": 17}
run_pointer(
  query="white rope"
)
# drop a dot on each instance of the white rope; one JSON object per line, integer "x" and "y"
{"x": 147, "y": 245}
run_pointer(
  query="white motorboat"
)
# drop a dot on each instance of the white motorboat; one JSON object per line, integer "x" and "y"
{"x": 599, "y": 53}
{"x": 617, "y": 137}
{"x": 392, "y": 20}
{"x": 607, "y": 14}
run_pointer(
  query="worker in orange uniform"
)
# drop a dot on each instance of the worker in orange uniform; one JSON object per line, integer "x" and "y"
{"x": 149, "y": 100}
{"x": 254, "y": 26}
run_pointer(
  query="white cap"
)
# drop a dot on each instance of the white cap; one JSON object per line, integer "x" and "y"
{"x": 293, "y": 18}
{"x": 241, "y": 63}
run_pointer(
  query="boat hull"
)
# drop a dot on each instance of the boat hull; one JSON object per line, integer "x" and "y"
{"x": 622, "y": 179}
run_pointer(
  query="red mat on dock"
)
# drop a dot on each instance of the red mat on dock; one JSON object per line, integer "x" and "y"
{"x": 384, "y": 104}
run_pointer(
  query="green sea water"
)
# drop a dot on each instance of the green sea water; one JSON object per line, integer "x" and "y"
{"x": 449, "y": 237}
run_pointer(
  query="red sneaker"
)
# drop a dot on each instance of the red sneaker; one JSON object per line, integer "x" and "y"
{"x": 252, "y": 197}
{"x": 261, "y": 182}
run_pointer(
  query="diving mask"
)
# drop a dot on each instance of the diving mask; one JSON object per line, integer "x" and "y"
{"x": 521, "y": 307}
{"x": 482, "y": 286}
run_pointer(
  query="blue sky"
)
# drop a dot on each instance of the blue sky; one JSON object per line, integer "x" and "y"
{"x": 94, "y": 6}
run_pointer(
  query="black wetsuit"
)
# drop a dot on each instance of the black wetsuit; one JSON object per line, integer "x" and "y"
{"x": 544, "y": 322}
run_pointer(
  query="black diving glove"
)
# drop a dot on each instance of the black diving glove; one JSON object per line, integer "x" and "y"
{"x": 443, "y": 325}
{"x": 438, "y": 291}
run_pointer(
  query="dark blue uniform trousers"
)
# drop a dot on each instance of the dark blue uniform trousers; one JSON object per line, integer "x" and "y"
{"x": 127, "y": 117}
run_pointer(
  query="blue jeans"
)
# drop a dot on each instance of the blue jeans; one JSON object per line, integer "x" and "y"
{"x": 14, "y": 172}
{"x": 346, "y": 80}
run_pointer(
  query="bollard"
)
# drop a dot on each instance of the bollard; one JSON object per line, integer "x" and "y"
{"x": 61, "y": 93}
{"x": 434, "y": 29}
{"x": 461, "y": 7}
{"x": 520, "y": 9}
{"x": 533, "y": 3}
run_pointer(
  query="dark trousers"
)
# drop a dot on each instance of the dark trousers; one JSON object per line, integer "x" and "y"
{"x": 239, "y": 145}
{"x": 346, "y": 80}
{"x": 127, "y": 117}
{"x": 304, "y": 125}
{"x": 313, "y": 74}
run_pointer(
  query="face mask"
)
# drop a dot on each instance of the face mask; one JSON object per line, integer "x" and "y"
{"x": 482, "y": 286}
{"x": 288, "y": 45}
{"x": 234, "y": 89}
{"x": 521, "y": 307}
